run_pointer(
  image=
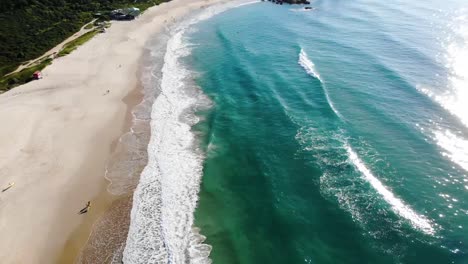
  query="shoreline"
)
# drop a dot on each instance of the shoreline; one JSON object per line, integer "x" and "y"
{"x": 113, "y": 222}
{"x": 60, "y": 133}
{"x": 102, "y": 203}
{"x": 161, "y": 227}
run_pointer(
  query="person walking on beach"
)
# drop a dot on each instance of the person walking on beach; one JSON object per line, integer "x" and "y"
{"x": 85, "y": 210}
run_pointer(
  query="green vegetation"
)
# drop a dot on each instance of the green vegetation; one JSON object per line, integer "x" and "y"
{"x": 24, "y": 76}
{"x": 31, "y": 27}
{"x": 72, "y": 45}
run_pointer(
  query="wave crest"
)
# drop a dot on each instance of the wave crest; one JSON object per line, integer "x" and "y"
{"x": 308, "y": 65}
{"x": 347, "y": 179}
{"x": 418, "y": 221}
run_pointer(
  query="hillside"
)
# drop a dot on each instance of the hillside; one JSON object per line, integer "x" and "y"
{"x": 31, "y": 27}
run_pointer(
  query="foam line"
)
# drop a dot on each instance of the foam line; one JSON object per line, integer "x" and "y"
{"x": 161, "y": 227}
{"x": 309, "y": 67}
{"x": 420, "y": 222}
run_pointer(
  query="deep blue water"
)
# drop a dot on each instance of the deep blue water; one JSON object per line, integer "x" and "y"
{"x": 337, "y": 135}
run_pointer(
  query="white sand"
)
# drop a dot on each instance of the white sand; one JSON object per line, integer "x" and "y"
{"x": 57, "y": 133}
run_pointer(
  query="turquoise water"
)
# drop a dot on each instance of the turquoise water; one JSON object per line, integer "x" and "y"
{"x": 338, "y": 135}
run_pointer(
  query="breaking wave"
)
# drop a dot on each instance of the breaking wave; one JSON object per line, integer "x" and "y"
{"x": 309, "y": 67}
{"x": 161, "y": 227}
{"x": 347, "y": 179}
{"x": 326, "y": 148}
{"x": 166, "y": 194}
{"x": 399, "y": 207}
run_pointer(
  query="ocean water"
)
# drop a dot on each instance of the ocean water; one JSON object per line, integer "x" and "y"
{"x": 337, "y": 135}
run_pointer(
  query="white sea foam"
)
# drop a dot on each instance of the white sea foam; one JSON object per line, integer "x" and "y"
{"x": 301, "y": 10}
{"x": 399, "y": 207}
{"x": 309, "y": 67}
{"x": 455, "y": 147}
{"x": 334, "y": 154}
{"x": 161, "y": 228}
{"x": 166, "y": 194}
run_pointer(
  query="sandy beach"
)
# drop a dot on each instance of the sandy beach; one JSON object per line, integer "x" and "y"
{"x": 59, "y": 133}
